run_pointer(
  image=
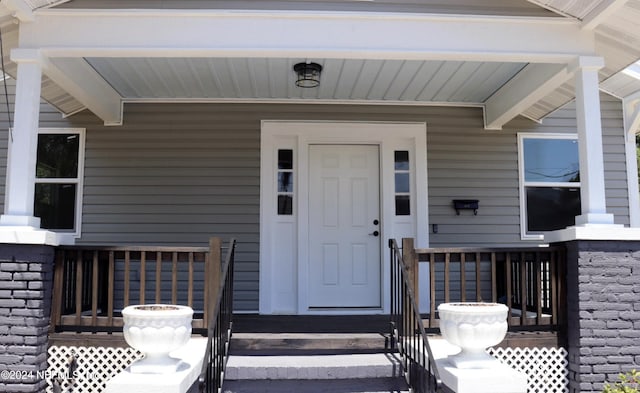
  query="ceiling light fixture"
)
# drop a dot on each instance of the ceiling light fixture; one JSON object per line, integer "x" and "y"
{"x": 308, "y": 74}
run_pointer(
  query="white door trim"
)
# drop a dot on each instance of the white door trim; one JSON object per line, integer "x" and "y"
{"x": 280, "y": 295}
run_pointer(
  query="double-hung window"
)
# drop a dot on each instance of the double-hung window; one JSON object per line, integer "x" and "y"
{"x": 549, "y": 182}
{"x": 58, "y": 180}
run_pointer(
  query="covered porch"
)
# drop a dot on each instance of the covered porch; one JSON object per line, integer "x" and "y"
{"x": 187, "y": 122}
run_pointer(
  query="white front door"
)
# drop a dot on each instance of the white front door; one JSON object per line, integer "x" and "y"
{"x": 344, "y": 225}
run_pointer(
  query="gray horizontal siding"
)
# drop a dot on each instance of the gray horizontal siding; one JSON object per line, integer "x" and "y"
{"x": 175, "y": 174}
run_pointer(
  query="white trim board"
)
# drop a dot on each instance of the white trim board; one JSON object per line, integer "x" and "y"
{"x": 284, "y": 239}
{"x": 171, "y": 33}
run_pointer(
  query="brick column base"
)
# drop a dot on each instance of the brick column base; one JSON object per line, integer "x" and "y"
{"x": 603, "y": 298}
{"x": 26, "y": 279}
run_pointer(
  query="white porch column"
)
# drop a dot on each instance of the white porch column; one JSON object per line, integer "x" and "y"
{"x": 592, "y": 189}
{"x": 22, "y": 143}
{"x": 631, "y": 106}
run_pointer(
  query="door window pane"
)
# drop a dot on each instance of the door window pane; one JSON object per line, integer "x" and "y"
{"x": 403, "y": 205}
{"x": 402, "y": 182}
{"x": 401, "y": 160}
{"x": 285, "y": 159}
{"x": 285, "y": 205}
{"x": 285, "y": 182}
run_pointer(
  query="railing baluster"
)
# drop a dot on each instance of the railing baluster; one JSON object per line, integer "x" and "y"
{"x": 478, "y": 278}
{"x": 174, "y": 279}
{"x": 143, "y": 276}
{"x": 110, "y": 287}
{"x": 94, "y": 289}
{"x": 447, "y": 285}
{"x": 432, "y": 289}
{"x": 190, "y": 281}
{"x": 554, "y": 286}
{"x": 159, "y": 277}
{"x": 523, "y": 289}
{"x": 509, "y": 283}
{"x": 79, "y": 277}
{"x": 539, "y": 294}
{"x": 127, "y": 272}
{"x": 463, "y": 277}
{"x": 494, "y": 278}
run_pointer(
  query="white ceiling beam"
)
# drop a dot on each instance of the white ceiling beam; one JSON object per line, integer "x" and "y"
{"x": 82, "y": 82}
{"x": 19, "y": 9}
{"x": 530, "y": 85}
{"x": 601, "y": 12}
{"x": 299, "y": 34}
{"x": 631, "y": 116}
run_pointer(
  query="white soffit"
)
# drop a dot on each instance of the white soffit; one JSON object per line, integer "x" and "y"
{"x": 575, "y": 8}
{"x": 35, "y": 4}
{"x": 617, "y": 37}
{"x": 625, "y": 83}
{"x": 51, "y": 92}
{"x": 404, "y": 81}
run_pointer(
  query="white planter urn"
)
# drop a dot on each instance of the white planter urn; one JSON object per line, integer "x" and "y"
{"x": 473, "y": 327}
{"x": 156, "y": 330}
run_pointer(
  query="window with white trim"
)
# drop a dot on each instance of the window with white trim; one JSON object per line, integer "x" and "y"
{"x": 549, "y": 182}
{"x": 58, "y": 180}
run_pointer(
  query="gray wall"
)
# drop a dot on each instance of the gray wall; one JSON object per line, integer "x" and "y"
{"x": 175, "y": 174}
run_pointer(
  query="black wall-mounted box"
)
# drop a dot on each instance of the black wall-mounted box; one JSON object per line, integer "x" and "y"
{"x": 466, "y": 204}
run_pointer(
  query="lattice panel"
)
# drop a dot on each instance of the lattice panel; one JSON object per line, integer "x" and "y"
{"x": 91, "y": 367}
{"x": 546, "y": 368}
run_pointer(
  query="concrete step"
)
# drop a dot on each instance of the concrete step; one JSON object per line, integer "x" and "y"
{"x": 377, "y": 385}
{"x": 307, "y": 343}
{"x": 316, "y": 367}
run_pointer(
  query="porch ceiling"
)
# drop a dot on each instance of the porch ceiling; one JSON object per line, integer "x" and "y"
{"x": 272, "y": 79}
{"x": 367, "y": 77}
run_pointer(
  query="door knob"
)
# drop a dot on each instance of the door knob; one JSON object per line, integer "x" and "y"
{"x": 374, "y": 233}
{"x": 376, "y": 222}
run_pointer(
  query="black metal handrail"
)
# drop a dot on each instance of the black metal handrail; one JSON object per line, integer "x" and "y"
{"x": 219, "y": 330}
{"x": 407, "y": 330}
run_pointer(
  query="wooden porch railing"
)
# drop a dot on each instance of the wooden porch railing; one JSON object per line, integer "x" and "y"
{"x": 92, "y": 284}
{"x": 530, "y": 281}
